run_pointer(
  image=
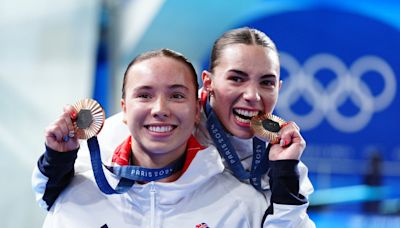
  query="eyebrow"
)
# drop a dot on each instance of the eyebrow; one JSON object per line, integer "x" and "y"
{"x": 238, "y": 72}
{"x": 173, "y": 86}
{"x": 178, "y": 86}
{"x": 242, "y": 73}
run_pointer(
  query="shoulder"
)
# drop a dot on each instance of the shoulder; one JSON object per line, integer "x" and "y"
{"x": 114, "y": 131}
{"x": 82, "y": 188}
{"x": 240, "y": 190}
{"x": 240, "y": 199}
{"x": 82, "y": 201}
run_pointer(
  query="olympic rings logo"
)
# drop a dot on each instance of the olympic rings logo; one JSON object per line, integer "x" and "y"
{"x": 326, "y": 100}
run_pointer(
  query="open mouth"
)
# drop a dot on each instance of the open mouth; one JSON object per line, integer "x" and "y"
{"x": 160, "y": 129}
{"x": 244, "y": 116}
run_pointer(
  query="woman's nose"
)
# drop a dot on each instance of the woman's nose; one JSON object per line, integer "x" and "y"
{"x": 251, "y": 94}
{"x": 160, "y": 108}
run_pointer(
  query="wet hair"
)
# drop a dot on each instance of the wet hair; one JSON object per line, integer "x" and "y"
{"x": 161, "y": 53}
{"x": 245, "y": 35}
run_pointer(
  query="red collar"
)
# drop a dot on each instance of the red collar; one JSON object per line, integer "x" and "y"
{"x": 123, "y": 152}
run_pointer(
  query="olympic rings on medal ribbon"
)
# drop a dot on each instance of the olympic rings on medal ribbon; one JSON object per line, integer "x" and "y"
{"x": 326, "y": 100}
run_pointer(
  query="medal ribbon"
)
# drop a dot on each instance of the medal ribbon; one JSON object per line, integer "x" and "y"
{"x": 260, "y": 163}
{"x": 260, "y": 153}
{"x": 138, "y": 173}
{"x": 128, "y": 174}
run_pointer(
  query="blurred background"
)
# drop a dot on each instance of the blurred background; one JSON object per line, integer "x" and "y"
{"x": 342, "y": 55}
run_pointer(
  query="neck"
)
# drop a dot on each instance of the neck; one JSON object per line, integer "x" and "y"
{"x": 155, "y": 159}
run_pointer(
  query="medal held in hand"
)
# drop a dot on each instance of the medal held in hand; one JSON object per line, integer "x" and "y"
{"x": 90, "y": 118}
{"x": 266, "y": 127}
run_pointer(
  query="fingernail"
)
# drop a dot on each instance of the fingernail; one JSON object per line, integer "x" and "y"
{"x": 65, "y": 138}
{"x": 282, "y": 142}
{"x": 71, "y": 134}
{"x": 73, "y": 115}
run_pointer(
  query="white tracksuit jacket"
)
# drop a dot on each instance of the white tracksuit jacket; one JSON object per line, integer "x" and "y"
{"x": 289, "y": 198}
{"x": 203, "y": 194}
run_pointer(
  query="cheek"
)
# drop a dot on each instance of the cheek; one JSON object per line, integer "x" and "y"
{"x": 135, "y": 112}
{"x": 270, "y": 102}
{"x": 226, "y": 95}
{"x": 186, "y": 114}
{"x": 221, "y": 86}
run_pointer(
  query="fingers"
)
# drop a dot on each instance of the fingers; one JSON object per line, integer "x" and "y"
{"x": 59, "y": 128}
{"x": 62, "y": 129}
{"x": 69, "y": 115}
{"x": 290, "y": 133}
{"x": 71, "y": 110}
{"x": 291, "y": 144}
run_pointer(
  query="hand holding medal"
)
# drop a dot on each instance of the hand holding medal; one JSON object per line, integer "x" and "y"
{"x": 285, "y": 136}
{"x": 81, "y": 121}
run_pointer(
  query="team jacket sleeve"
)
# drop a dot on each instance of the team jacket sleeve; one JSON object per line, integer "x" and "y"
{"x": 54, "y": 171}
{"x": 290, "y": 188}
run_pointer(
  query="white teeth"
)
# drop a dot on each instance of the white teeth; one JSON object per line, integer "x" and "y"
{"x": 246, "y": 112}
{"x": 160, "y": 128}
{"x": 242, "y": 120}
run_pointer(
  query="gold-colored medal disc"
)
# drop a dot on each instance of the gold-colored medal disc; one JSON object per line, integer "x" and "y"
{"x": 266, "y": 127}
{"x": 90, "y": 118}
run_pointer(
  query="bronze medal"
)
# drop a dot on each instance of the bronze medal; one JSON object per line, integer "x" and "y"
{"x": 266, "y": 127}
{"x": 90, "y": 118}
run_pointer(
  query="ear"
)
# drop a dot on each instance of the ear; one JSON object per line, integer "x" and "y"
{"x": 123, "y": 107}
{"x": 280, "y": 85}
{"x": 207, "y": 80}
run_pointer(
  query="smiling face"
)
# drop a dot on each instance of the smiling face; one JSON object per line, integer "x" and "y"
{"x": 160, "y": 107}
{"x": 244, "y": 83}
